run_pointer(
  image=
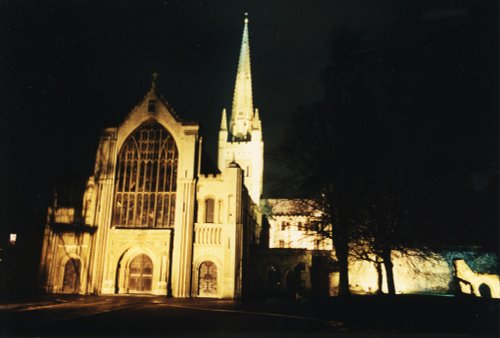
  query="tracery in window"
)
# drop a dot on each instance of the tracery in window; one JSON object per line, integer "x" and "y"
{"x": 146, "y": 178}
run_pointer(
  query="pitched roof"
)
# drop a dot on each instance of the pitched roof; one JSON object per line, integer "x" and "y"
{"x": 282, "y": 206}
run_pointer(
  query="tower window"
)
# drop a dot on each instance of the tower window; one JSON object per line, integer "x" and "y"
{"x": 209, "y": 210}
{"x": 151, "y": 106}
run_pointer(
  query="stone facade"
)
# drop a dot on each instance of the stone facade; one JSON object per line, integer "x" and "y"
{"x": 242, "y": 141}
{"x": 296, "y": 224}
{"x": 153, "y": 219}
{"x": 156, "y": 220}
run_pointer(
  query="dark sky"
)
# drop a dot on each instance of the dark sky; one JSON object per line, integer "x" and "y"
{"x": 71, "y": 68}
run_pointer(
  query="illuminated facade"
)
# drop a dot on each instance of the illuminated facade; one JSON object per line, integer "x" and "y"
{"x": 242, "y": 141}
{"x": 154, "y": 218}
{"x": 296, "y": 224}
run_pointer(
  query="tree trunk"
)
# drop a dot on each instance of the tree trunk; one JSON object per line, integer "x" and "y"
{"x": 389, "y": 272}
{"x": 380, "y": 278}
{"x": 341, "y": 249}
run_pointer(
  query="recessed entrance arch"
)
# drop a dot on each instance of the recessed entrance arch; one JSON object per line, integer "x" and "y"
{"x": 71, "y": 278}
{"x": 207, "y": 279}
{"x": 140, "y": 275}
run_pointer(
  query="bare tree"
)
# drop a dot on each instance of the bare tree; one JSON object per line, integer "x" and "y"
{"x": 383, "y": 228}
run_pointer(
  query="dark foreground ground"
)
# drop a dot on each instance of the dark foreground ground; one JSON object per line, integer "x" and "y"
{"x": 361, "y": 316}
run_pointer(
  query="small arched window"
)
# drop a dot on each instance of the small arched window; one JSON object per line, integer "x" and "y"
{"x": 209, "y": 210}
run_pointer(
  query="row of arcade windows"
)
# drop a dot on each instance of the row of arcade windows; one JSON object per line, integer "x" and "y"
{"x": 300, "y": 226}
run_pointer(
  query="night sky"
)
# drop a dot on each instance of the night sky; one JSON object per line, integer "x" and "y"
{"x": 71, "y": 68}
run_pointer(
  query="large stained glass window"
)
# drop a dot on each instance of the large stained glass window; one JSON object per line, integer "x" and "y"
{"x": 146, "y": 179}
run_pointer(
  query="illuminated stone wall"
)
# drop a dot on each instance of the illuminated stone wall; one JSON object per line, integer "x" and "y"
{"x": 412, "y": 274}
{"x": 218, "y": 237}
{"x": 478, "y": 284}
{"x": 436, "y": 274}
{"x": 65, "y": 241}
{"x": 250, "y": 157}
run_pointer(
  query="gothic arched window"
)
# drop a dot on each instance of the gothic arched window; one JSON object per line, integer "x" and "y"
{"x": 146, "y": 178}
{"x": 209, "y": 210}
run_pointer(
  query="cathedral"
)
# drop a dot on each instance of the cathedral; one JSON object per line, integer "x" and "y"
{"x": 157, "y": 218}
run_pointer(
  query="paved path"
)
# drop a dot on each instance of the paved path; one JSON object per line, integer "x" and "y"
{"x": 152, "y": 316}
{"x": 141, "y": 316}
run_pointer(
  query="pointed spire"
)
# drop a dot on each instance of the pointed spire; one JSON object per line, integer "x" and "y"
{"x": 242, "y": 110}
{"x": 223, "y": 121}
{"x": 256, "y": 120}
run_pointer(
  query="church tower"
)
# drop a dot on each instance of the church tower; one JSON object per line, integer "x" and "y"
{"x": 242, "y": 141}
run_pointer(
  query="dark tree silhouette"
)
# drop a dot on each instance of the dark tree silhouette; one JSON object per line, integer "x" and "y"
{"x": 394, "y": 151}
{"x": 320, "y": 152}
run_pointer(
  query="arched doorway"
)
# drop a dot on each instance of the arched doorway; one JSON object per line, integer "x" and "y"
{"x": 273, "y": 280}
{"x": 207, "y": 279}
{"x": 140, "y": 274}
{"x": 71, "y": 279}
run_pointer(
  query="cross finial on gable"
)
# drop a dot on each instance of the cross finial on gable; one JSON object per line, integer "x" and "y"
{"x": 155, "y": 79}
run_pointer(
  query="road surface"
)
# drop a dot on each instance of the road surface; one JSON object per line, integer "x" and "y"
{"x": 143, "y": 316}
